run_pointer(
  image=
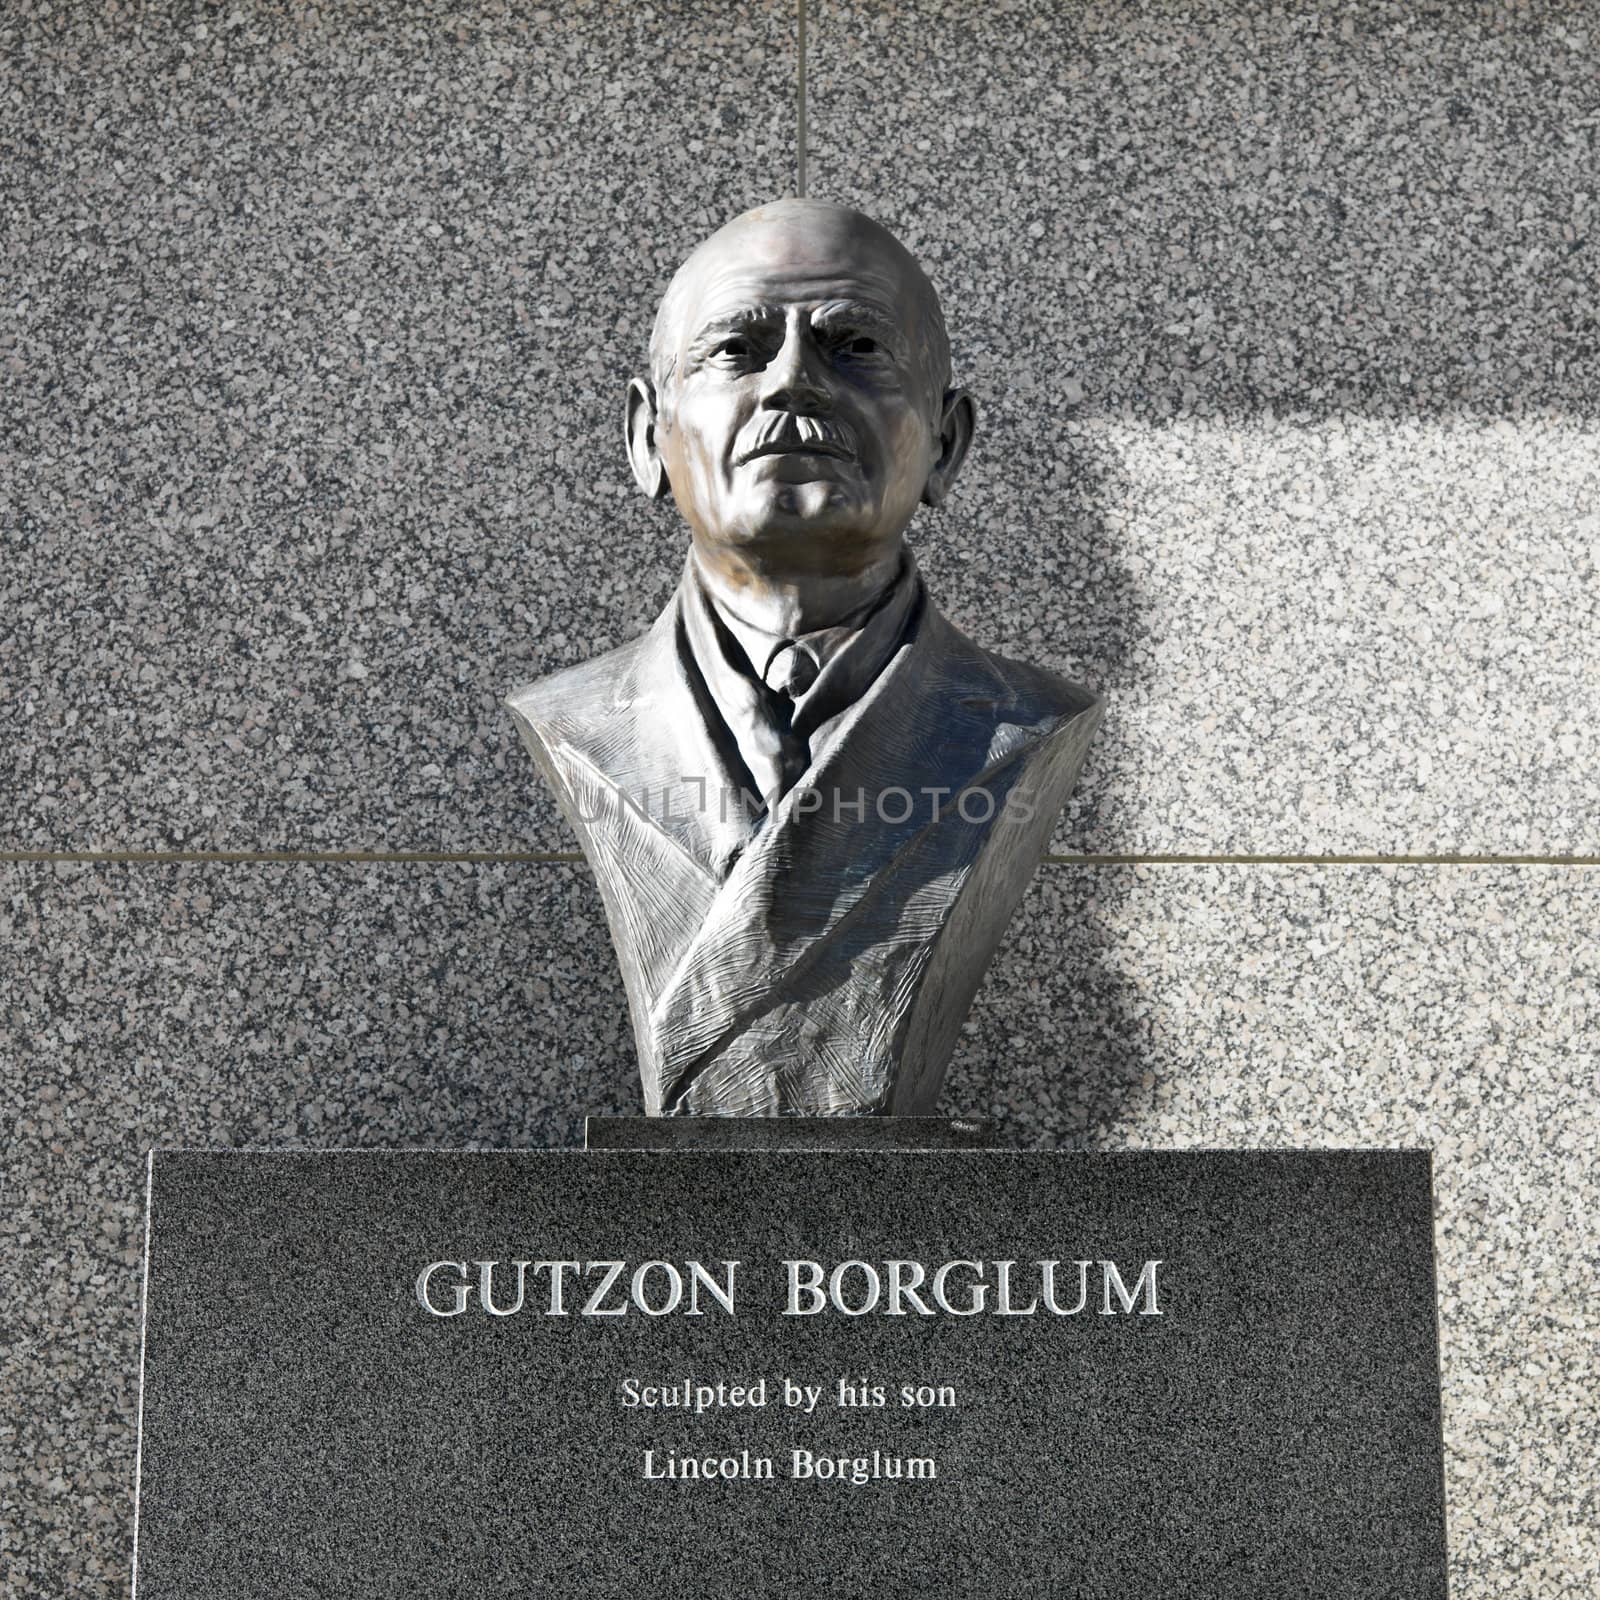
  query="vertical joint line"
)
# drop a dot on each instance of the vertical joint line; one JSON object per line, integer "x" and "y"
{"x": 800, "y": 99}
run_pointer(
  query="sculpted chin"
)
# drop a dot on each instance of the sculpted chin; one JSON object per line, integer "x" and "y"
{"x": 811, "y": 803}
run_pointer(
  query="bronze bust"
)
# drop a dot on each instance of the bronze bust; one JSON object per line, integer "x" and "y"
{"x": 812, "y": 805}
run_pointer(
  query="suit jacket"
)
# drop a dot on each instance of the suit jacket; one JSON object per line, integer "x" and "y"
{"x": 819, "y": 959}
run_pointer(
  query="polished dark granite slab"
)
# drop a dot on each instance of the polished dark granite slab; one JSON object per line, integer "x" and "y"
{"x": 1257, "y": 1414}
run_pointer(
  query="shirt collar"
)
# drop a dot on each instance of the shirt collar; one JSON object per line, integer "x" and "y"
{"x": 849, "y": 653}
{"x": 850, "y": 656}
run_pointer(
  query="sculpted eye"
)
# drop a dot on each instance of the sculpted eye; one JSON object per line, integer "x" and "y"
{"x": 859, "y": 344}
{"x": 735, "y": 347}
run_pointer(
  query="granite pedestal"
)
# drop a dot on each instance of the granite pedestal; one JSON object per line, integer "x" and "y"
{"x": 777, "y": 1373}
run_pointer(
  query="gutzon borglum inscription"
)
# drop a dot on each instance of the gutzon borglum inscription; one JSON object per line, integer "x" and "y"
{"x": 895, "y": 1288}
{"x": 960, "y": 1287}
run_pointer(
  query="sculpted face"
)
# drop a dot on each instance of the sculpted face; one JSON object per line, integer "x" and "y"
{"x": 801, "y": 414}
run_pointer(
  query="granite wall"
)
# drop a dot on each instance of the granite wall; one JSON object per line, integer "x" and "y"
{"x": 1283, "y": 321}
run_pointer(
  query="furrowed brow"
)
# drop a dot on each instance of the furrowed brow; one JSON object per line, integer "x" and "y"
{"x": 712, "y": 333}
{"x": 859, "y": 318}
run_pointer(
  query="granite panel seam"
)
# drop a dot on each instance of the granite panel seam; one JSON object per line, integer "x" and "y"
{"x": 800, "y": 97}
{"x": 573, "y": 858}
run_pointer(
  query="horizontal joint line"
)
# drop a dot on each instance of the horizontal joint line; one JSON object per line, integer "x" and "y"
{"x": 574, "y": 858}
{"x": 1373, "y": 860}
{"x": 293, "y": 857}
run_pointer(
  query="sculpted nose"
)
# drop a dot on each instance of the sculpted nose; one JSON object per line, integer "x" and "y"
{"x": 793, "y": 380}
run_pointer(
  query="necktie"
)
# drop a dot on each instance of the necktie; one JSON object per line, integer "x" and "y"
{"x": 791, "y": 670}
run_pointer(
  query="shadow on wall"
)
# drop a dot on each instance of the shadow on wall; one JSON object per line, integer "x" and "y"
{"x": 1077, "y": 607}
{"x": 1058, "y": 1051}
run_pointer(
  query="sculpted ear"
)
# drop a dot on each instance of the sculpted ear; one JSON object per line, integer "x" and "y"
{"x": 640, "y": 425}
{"x": 956, "y": 422}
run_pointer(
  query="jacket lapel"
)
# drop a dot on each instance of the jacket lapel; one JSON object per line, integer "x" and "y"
{"x": 938, "y": 720}
{"x": 645, "y": 733}
{"x": 656, "y": 893}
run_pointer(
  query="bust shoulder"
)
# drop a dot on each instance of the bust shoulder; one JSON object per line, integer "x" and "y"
{"x": 1024, "y": 693}
{"x": 579, "y": 695}
{"x": 1055, "y": 697}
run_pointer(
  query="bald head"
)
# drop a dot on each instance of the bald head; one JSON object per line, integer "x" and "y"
{"x": 799, "y": 407}
{"x": 812, "y": 243}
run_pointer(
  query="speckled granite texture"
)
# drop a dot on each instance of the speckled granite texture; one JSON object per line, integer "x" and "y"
{"x": 214, "y": 1006}
{"x": 314, "y": 347}
{"x": 1283, "y": 322}
{"x": 1265, "y": 1424}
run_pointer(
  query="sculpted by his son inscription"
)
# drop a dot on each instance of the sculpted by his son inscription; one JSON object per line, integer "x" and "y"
{"x": 812, "y": 805}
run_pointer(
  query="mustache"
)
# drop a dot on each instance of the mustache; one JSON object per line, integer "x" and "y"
{"x": 779, "y": 432}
